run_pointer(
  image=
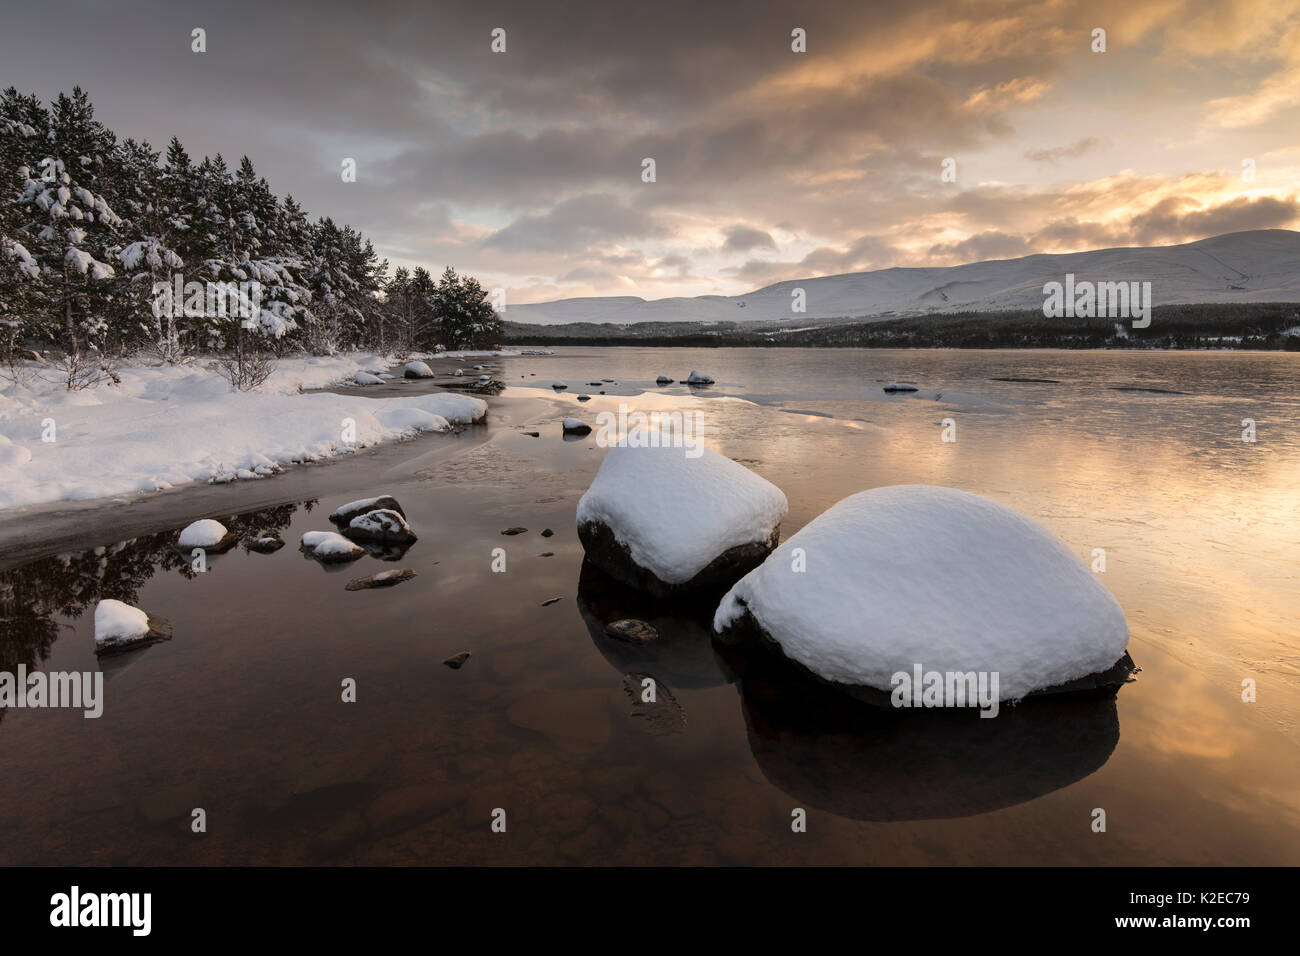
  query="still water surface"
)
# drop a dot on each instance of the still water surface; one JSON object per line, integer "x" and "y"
{"x": 1139, "y": 454}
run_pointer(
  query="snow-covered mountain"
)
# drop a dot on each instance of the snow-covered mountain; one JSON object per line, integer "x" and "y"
{"x": 1257, "y": 266}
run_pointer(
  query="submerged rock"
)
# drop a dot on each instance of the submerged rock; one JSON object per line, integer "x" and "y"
{"x": 514, "y": 531}
{"x": 632, "y": 631}
{"x": 662, "y": 714}
{"x": 456, "y": 661}
{"x": 268, "y": 544}
{"x": 663, "y": 521}
{"x": 900, "y": 387}
{"x": 384, "y": 579}
{"x": 912, "y": 577}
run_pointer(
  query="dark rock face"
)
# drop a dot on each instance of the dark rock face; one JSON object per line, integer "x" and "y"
{"x": 606, "y": 553}
{"x": 382, "y": 503}
{"x": 267, "y": 545}
{"x": 383, "y": 525}
{"x": 384, "y": 579}
{"x": 456, "y": 661}
{"x": 747, "y": 632}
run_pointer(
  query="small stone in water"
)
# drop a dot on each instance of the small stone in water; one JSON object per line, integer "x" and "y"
{"x": 456, "y": 660}
{"x": 514, "y": 531}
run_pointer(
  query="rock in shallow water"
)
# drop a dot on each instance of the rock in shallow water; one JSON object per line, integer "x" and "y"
{"x": 384, "y": 579}
{"x": 268, "y": 544}
{"x": 120, "y": 627}
{"x": 664, "y": 521}
{"x": 382, "y": 526}
{"x": 354, "y": 509}
{"x": 632, "y": 631}
{"x": 456, "y": 661}
{"x": 207, "y": 534}
{"x": 914, "y": 576}
{"x": 329, "y": 547}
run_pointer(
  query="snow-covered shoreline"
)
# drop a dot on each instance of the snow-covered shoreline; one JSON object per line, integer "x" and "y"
{"x": 170, "y": 425}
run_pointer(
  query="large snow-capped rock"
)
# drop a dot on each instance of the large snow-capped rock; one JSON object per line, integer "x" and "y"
{"x": 664, "y": 521}
{"x": 915, "y": 575}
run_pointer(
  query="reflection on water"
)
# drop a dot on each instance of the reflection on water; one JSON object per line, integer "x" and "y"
{"x": 33, "y": 596}
{"x": 240, "y": 712}
{"x": 867, "y": 763}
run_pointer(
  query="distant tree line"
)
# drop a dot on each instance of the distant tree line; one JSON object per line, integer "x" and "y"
{"x": 1257, "y": 326}
{"x": 91, "y": 227}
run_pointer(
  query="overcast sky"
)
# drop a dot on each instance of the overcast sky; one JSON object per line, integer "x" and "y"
{"x": 525, "y": 167}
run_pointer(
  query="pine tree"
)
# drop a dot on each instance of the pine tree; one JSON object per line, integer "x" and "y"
{"x": 73, "y": 233}
{"x": 463, "y": 317}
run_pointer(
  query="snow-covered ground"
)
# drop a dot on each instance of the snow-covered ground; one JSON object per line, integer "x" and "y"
{"x": 164, "y": 426}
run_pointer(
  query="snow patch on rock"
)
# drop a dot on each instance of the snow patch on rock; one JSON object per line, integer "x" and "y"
{"x": 676, "y": 514}
{"x": 913, "y": 574}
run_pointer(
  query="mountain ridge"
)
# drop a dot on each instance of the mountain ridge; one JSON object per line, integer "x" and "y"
{"x": 1261, "y": 265}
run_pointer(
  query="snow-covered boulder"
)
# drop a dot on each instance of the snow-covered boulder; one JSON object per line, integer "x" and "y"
{"x": 910, "y": 576}
{"x": 330, "y": 547}
{"x": 664, "y": 521}
{"x": 575, "y": 426}
{"x": 119, "y": 625}
{"x": 354, "y": 509}
{"x": 207, "y": 534}
{"x": 382, "y": 525}
{"x": 699, "y": 378}
{"x": 367, "y": 378}
{"x": 416, "y": 370}
{"x": 11, "y": 455}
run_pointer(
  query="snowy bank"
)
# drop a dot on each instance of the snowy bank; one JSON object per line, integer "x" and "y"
{"x": 662, "y": 520}
{"x": 166, "y": 426}
{"x": 910, "y": 575}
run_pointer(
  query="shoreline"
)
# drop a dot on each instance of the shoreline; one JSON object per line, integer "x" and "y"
{"x": 31, "y": 532}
